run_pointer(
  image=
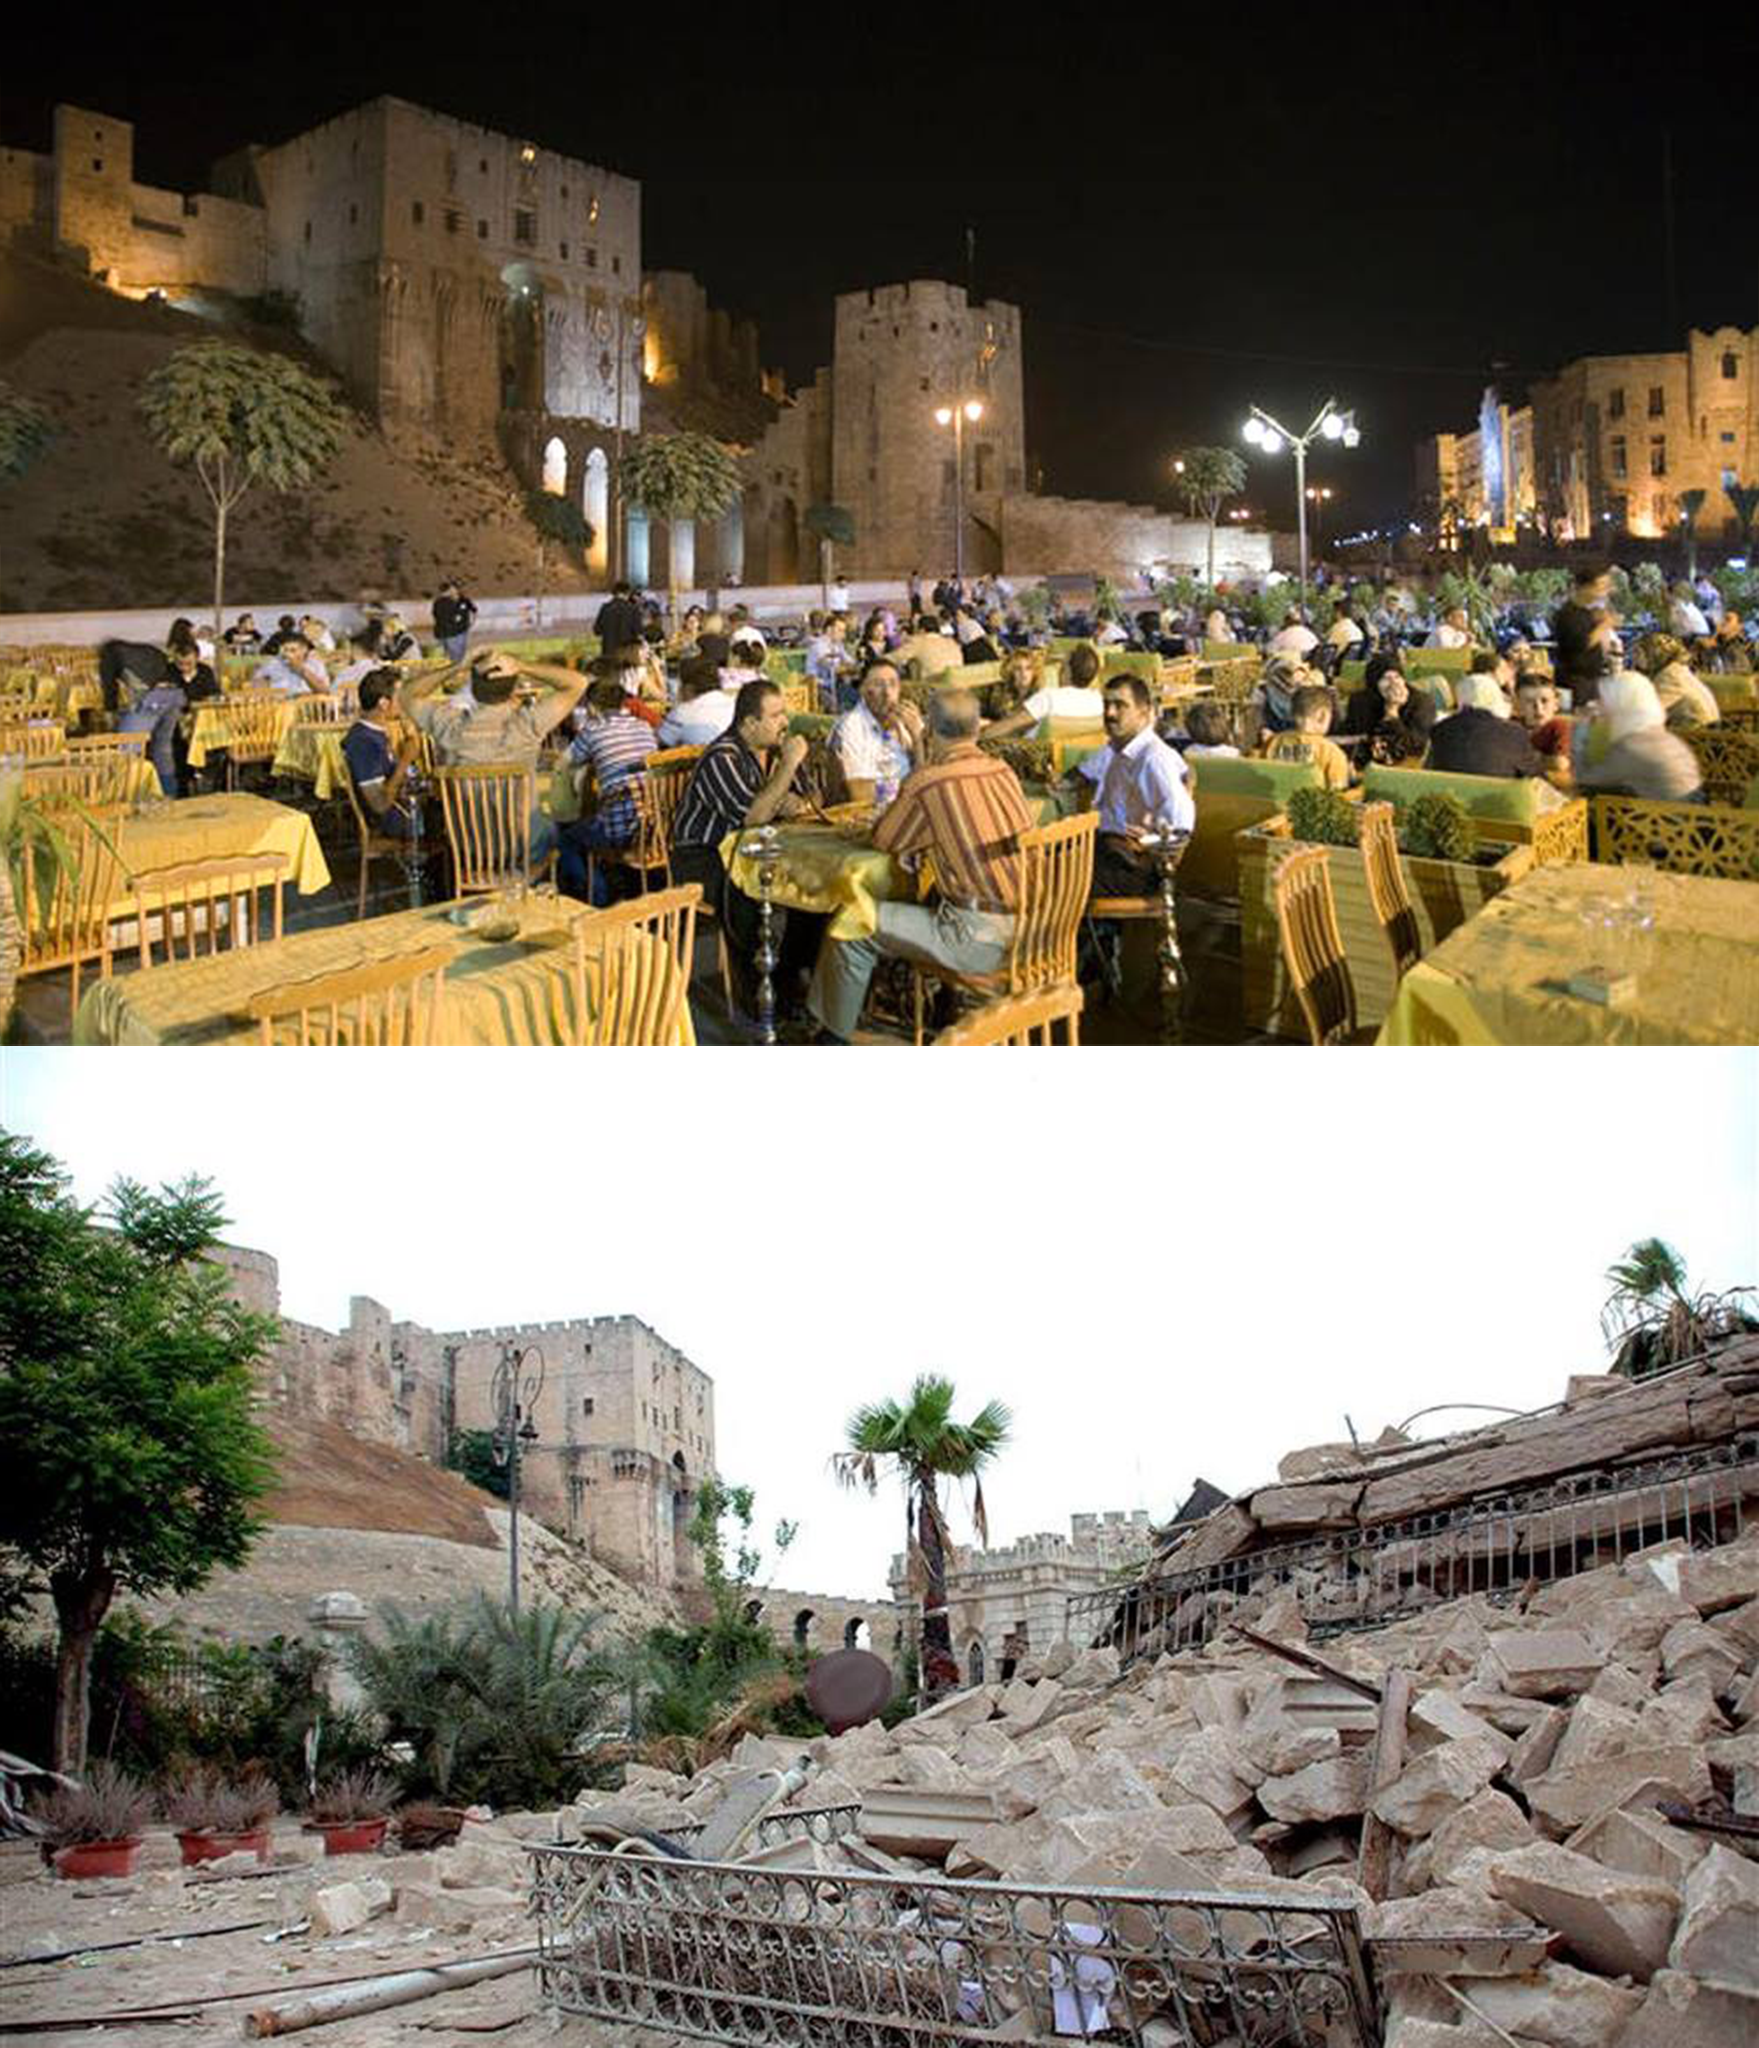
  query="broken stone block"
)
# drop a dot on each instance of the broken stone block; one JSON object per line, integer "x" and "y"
{"x": 482, "y": 1863}
{"x": 1452, "y": 1932}
{"x": 335, "y": 1909}
{"x": 909, "y": 1822}
{"x": 1690, "y": 1650}
{"x": 1558, "y": 2006}
{"x": 1718, "y": 1937}
{"x": 1089, "y": 1668}
{"x": 1056, "y": 1660}
{"x": 1105, "y": 1783}
{"x": 1427, "y": 1790}
{"x": 1207, "y": 1769}
{"x": 1713, "y": 1581}
{"x": 1745, "y": 1704}
{"x": 240, "y": 1863}
{"x": 1612, "y": 1921}
{"x": 1279, "y": 1741}
{"x": 1632, "y": 1623}
{"x": 1332, "y": 1849}
{"x": 939, "y": 1723}
{"x": 1191, "y": 1830}
{"x": 1642, "y": 1843}
{"x": 1595, "y": 1729}
{"x": 1621, "y": 1686}
{"x": 1680, "y": 2012}
{"x": 1024, "y": 1706}
{"x": 454, "y": 1912}
{"x": 1561, "y": 1801}
{"x": 1543, "y": 1663}
{"x": 1533, "y": 1751}
{"x": 1488, "y": 1820}
{"x": 1329, "y": 1790}
{"x": 1685, "y": 1711}
{"x": 984, "y": 1750}
{"x": 1437, "y": 1716}
{"x": 646, "y": 1778}
{"x": 928, "y": 1769}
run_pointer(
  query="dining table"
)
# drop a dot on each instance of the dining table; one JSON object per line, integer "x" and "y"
{"x": 828, "y": 864}
{"x": 166, "y": 835}
{"x": 213, "y": 727}
{"x": 1675, "y": 957}
{"x": 498, "y": 990}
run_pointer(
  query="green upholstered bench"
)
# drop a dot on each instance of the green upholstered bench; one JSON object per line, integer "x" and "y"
{"x": 1232, "y": 794}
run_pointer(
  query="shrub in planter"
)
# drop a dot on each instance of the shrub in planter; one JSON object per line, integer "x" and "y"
{"x": 1437, "y": 828}
{"x": 95, "y": 1828}
{"x": 1323, "y": 817}
{"x": 351, "y": 1810}
{"x": 214, "y": 1815}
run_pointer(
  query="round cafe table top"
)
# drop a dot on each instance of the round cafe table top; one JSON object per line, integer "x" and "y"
{"x": 828, "y": 865}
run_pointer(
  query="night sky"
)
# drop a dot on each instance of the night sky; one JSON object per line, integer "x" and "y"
{"x": 1191, "y": 218}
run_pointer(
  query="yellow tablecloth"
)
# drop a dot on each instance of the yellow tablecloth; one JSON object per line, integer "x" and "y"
{"x": 1501, "y": 978}
{"x": 824, "y": 869}
{"x": 212, "y": 728}
{"x": 207, "y": 827}
{"x": 518, "y": 992}
{"x": 312, "y": 753}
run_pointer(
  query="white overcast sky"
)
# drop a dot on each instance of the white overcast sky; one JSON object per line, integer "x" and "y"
{"x": 1167, "y": 1265}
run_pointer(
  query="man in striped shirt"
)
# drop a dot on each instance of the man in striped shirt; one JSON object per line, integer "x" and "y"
{"x": 614, "y": 745}
{"x": 968, "y": 810}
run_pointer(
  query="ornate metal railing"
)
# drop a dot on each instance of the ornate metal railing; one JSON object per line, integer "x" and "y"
{"x": 802, "y": 1960}
{"x": 799, "y": 1824}
{"x": 1362, "y": 1578}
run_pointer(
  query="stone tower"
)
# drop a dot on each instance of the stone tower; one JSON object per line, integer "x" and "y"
{"x": 902, "y": 350}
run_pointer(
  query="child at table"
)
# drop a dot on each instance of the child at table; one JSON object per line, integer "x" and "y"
{"x": 1310, "y": 708}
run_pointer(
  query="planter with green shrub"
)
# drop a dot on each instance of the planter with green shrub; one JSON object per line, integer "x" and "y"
{"x": 351, "y": 1811}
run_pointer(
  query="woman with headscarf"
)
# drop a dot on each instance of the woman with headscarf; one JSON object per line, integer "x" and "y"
{"x": 1395, "y": 719}
{"x": 1684, "y": 699}
{"x": 1479, "y": 737}
{"x": 1274, "y": 695}
{"x": 1626, "y": 749}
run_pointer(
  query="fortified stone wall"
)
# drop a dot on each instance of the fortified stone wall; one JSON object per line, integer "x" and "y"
{"x": 822, "y": 1622}
{"x": 1041, "y": 536}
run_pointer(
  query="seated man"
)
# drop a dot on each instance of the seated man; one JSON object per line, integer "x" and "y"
{"x": 317, "y": 634}
{"x": 1138, "y": 783}
{"x": 703, "y": 710}
{"x": 243, "y": 638}
{"x": 284, "y": 625}
{"x": 878, "y": 743}
{"x": 381, "y": 771}
{"x": 155, "y": 711}
{"x": 1296, "y": 638}
{"x": 1310, "y": 708}
{"x": 1451, "y": 630}
{"x": 746, "y": 777}
{"x": 968, "y": 810}
{"x": 494, "y": 728}
{"x": 1480, "y": 738}
{"x": 293, "y": 669}
{"x": 614, "y": 744}
{"x": 932, "y": 649}
{"x": 1076, "y": 701}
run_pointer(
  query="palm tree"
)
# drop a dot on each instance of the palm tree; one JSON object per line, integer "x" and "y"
{"x": 1745, "y": 499}
{"x": 923, "y": 1444}
{"x": 1691, "y": 504}
{"x": 1653, "y": 1320}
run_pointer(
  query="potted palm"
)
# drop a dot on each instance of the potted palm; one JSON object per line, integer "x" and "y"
{"x": 95, "y": 1828}
{"x": 351, "y": 1811}
{"x": 216, "y": 1816}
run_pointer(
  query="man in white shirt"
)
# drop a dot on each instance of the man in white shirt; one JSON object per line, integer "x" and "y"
{"x": 1138, "y": 783}
{"x": 933, "y": 651}
{"x": 1343, "y": 632}
{"x": 878, "y": 743}
{"x": 839, "y": 596}
{"x": 1110, "y": 633}
{"x": 1295, "y": 638}
{"x": 703, "y": 711}
{"x": 293, "y": 670}
{"x": 1452, "y": 631}
{"x": 1075, "y": 702}
{"x": 1216, "y": 626}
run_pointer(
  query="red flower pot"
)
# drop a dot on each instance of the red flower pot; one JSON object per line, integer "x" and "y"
{"x": 98, "y": 1859}
{"x": 352, "y": 1837}
{"x": 200, "y": 1846}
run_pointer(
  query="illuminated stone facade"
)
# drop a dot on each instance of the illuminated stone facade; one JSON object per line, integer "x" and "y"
{"x": 1482, "y": 479}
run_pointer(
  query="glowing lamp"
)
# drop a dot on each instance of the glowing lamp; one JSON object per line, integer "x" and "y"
{"x": 1331, "y": 427}
{"x": 943, "y": 415}
{"x": 1351, "y": 437}
{"x": 1253, "y": 431}
{"x": 1271, "y": 443}
{"x": 973, "y": 410}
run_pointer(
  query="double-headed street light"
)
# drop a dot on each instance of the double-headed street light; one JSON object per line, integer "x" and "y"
{"x": 1269, "y": 434}
{"x": 955, "y": 416}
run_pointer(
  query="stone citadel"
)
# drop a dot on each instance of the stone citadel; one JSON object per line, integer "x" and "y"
{"x": 482, "y": 289}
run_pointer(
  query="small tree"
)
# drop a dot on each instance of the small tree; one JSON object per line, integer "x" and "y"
{"x": 1653, "y": 1318}
{"x": 125, "y": 1366}
{"x": 1208, "y": 479}
{"x": 1745, "y": 499}
{"x": 559, "y": 520}
{"x": 471, "y": 1454}
{"x": 729, "y": 1575}
{"x": 25, "y": 431}
{"x": 835, "y": 527}
{"x": 241, "y": 418}
{"x": 676, "y": 477}
{"x": 1691, "y": 504}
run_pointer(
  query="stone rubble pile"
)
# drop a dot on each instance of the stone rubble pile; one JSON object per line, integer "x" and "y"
{"x": 1527, "y": 1869}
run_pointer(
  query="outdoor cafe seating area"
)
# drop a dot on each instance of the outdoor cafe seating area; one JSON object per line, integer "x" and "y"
{"x": 268, "y": 909}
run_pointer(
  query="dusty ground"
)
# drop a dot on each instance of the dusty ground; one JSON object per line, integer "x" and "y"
{"x": 40, "y": 1913}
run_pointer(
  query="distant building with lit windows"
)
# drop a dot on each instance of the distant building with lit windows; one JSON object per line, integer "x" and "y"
{"x": 1481, "y": 479}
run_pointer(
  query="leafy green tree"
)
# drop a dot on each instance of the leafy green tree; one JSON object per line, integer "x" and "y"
{"x": 1653, "y": 1318}
{"x": 25, "y": 432}
{"x": 1745, "y": 499}
{"x": 127, "y": 1370}
{"x": 676, "y": 477}
{"x": 1207, "y": 478}
{"x": 241, "y": 418}
{"x": 919, "y": 1441}
{"x": 471, "y": 1453}
{"x": 834, "y": 526}
{"x": 560, "y": 523}
{"x": 1691, "y": 504}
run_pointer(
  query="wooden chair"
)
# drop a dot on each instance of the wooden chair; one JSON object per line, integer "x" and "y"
{"x": 374, "y": 844}
{"x": 197, "y": 893}
{"x": 632, "y": 969}
{"x": 647, "y": 853}
{"x": 488, "y": 825}
{"x": 255, "y": 722}
{"x": 388, "y": 1002}
{"x": 1387, "y": 893}
{"x": 1729, "y": 760}
{"x": 97, "y": 746}
{"x": 668, "y": 771}
{"x": 1021, "y": 1020}
{"x": 1307, "y": 923}
{"x": 15, "y": 706}
{"x": 36, "y": 739}
{"x": 1055, "y": 881}
{"x": 322, "y": 707}
{"x": 68, "y": 923}
{"x": 90, "y": 782}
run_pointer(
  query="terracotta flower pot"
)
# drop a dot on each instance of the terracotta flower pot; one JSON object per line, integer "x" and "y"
{"x": 98, "y": 1859}
{"x": 352, "y": 1837}
{"x": 199, "y": 1845}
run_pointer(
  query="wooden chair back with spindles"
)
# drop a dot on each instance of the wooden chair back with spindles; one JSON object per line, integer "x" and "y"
{"x": 387, "y": 1002}
{"x": 204, "y": 907}
{"x": 1313, "y": 951}
{"x": 35, "y": 739}
{"x": 93, "y": 782}
{"x": 96, "y": 746}
{"x": 488, "y": 825}
{"x": 668, "y": 771}
{"x": 255, "y": 723}
{"x": 1390, "y": 899}
{"x": 65, "y": 916}
{"x": 632, "y": 969}
{"x": 1021, "y": 1020}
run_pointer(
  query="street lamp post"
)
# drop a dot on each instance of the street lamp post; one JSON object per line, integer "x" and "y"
{"x": 515, "y": 1392}
{"x": 955, "y": 416}
{"x": 1262, "y": 431}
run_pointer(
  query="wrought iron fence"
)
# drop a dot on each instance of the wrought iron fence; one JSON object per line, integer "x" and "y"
{"x": 1362, "y": 1578}
{"x": 798, "y": 1824}
{"x": 846, "y": 1960}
